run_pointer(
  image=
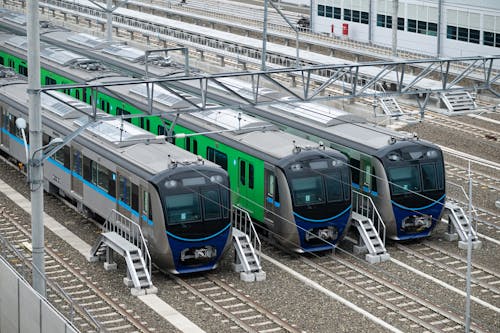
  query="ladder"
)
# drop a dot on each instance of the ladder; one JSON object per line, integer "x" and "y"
{"x": 459, "y": 225}
{"x": 124, "y": 237}
{"x": 371, "y": 239}
{"x": 370, "y": 226}
{"x": 247, "y": 247}
{"x": 390, "y": 106}
{"x": 457, "y": 101}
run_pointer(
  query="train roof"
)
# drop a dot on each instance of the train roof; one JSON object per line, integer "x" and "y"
{"x": 129, "y": 146}
{"x": 340, "y": 127}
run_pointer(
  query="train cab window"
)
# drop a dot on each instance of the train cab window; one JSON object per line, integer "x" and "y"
{"x": 429, "y": 177}
{"x": 77, "y": 164}
{"x": 217, "y": 157}
{"x": 271, "y": 186}
{"x": 45, "y": 139}
{"x": 368, "y": 176}
{"x": 211, "y": 204}
{"x": 404, "y": 179}
{"x": 308, "y": 190}
{"x": 63, "y": 156}
{"x": 146, "y": 205}
{"x": 87, "y": 169}
{"x": 333, "y": 187}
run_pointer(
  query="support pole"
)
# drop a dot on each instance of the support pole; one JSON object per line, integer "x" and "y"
{"x": 109, "y": 20}
{"x": 35, "y": 134}
{"x": 395, "y": 5}
{"x": 469, "y": 259}
{"x": 264, "y": 38}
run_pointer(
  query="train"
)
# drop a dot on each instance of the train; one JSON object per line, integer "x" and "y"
{"x": 181, "y": 202}
{"x": 410, "y": 202}
{"x": 304, "y": 201}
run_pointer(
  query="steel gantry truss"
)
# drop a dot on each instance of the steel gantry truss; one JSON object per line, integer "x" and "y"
{"x": 311, "y": 84}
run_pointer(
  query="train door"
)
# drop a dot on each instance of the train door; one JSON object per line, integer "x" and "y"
{"x": 4, "y": 120}
{"x": 124, "y": 194}
{"x": 246, "y": 185}
{"x": 367, "y": 178}
{"x": 272, "y": 201}
{"x": 77, "y": 172}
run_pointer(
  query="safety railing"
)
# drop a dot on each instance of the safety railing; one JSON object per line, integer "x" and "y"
{"x": 241, "y": 220}
{"x": 363, "y": 205}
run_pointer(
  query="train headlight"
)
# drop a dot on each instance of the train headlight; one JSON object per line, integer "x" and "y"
{"x": 216, "y": 179}
{"x": 394, "y": 157}
{"x": 296, "y": 167}
{"x": 171, "y": 183}
{"x": 335, "y": 163}
{"x": 432, "y": 154}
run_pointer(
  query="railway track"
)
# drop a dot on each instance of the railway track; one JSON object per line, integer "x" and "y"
{"x": 382, "y": 297}
{"x": 247, "y": 315}
{"x": 69, "y": 287}
{"x": 452, "y": 269}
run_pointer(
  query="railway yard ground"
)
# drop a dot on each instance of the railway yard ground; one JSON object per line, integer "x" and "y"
{"x": 420, "y": 289}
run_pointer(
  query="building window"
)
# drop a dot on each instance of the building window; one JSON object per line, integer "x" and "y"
{"x": 337, "y": 13}
{"x": 463, "y": 34}
{"x": 347, "y": 14}
{"x": 451, "y": 32}
{"x": 488, "y": 38}
{"x": 384, "y": 21}
{"x": 412, "y": 25}
{"x": 321, "y": 10}
{"x": 474, "y": 36}
{"x": 329, "y": 11}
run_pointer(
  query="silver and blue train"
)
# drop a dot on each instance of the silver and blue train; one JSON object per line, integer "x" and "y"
{"x": 181, "y": 202}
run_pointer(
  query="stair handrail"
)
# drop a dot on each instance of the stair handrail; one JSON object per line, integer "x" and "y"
{"x": 358, "y": 201}
{"x": 241, "y": 220}
{"x": 129, "y": 230}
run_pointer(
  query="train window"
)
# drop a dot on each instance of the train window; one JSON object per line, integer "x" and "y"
{"x": 103, "y": 178}
{"x": 135, "y": 197}
{"x": 87, "y": 169}
{"x": 211, "y": 204}
{"x": 12, "y": 128}
{"x": 217, "y": 157}
{"x": 271, "y": 186}
{"x": 77, "y": 93}
{"x": 161, "y": 130}
{"x": 333, "y": 187}
{"x": 195, "y": 147}
{"x": 368, "y": 176}
{"x": 23, "y": 70}
{"x": 188, "y": 144}
{"x": 250, "y": 176}
{"x": 404, "y": 179}
{"x": 77, "y": 166}
{"x": 124, "y": 190}
{"x": 49, "y": 81}
{"x": 120, "y": 111}
{"x": 242, "y": 172}
{"x": 63, "y": 156}
{"x": 429, "y": 177}
{"x": 146, "y": 205}
{"x": 182, "y": 208}
{"x": 45, "y": 139}
{"x": 355, "y": 170}
{"x": 308, "y": 190}
{"x": 1, "y": 61}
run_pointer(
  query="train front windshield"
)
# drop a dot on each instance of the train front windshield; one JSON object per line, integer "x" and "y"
{"x": 195, "y": 203}
{"x": 415, "y": 178}
{"x": 318, "y": 187}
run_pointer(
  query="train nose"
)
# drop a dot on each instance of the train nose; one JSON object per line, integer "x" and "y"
{"x": 204, "y": 253}
{"x": 416, "y": 223}
{"x": 328, "y": 233}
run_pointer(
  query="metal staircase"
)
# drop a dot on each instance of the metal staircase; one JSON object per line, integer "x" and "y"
{"x": 460, "y": 227}
{"x": 246, "y": 247}
{"x": 124, "y": 237}
{"x": 371, "y": 228}
{"x": 390, "y": 106}
{"x": 458, "y": 101}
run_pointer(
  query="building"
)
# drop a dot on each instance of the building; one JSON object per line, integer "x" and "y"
{"x": 445, "y": 28}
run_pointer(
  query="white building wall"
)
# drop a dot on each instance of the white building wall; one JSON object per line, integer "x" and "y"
{"x": 470, "y": 18}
